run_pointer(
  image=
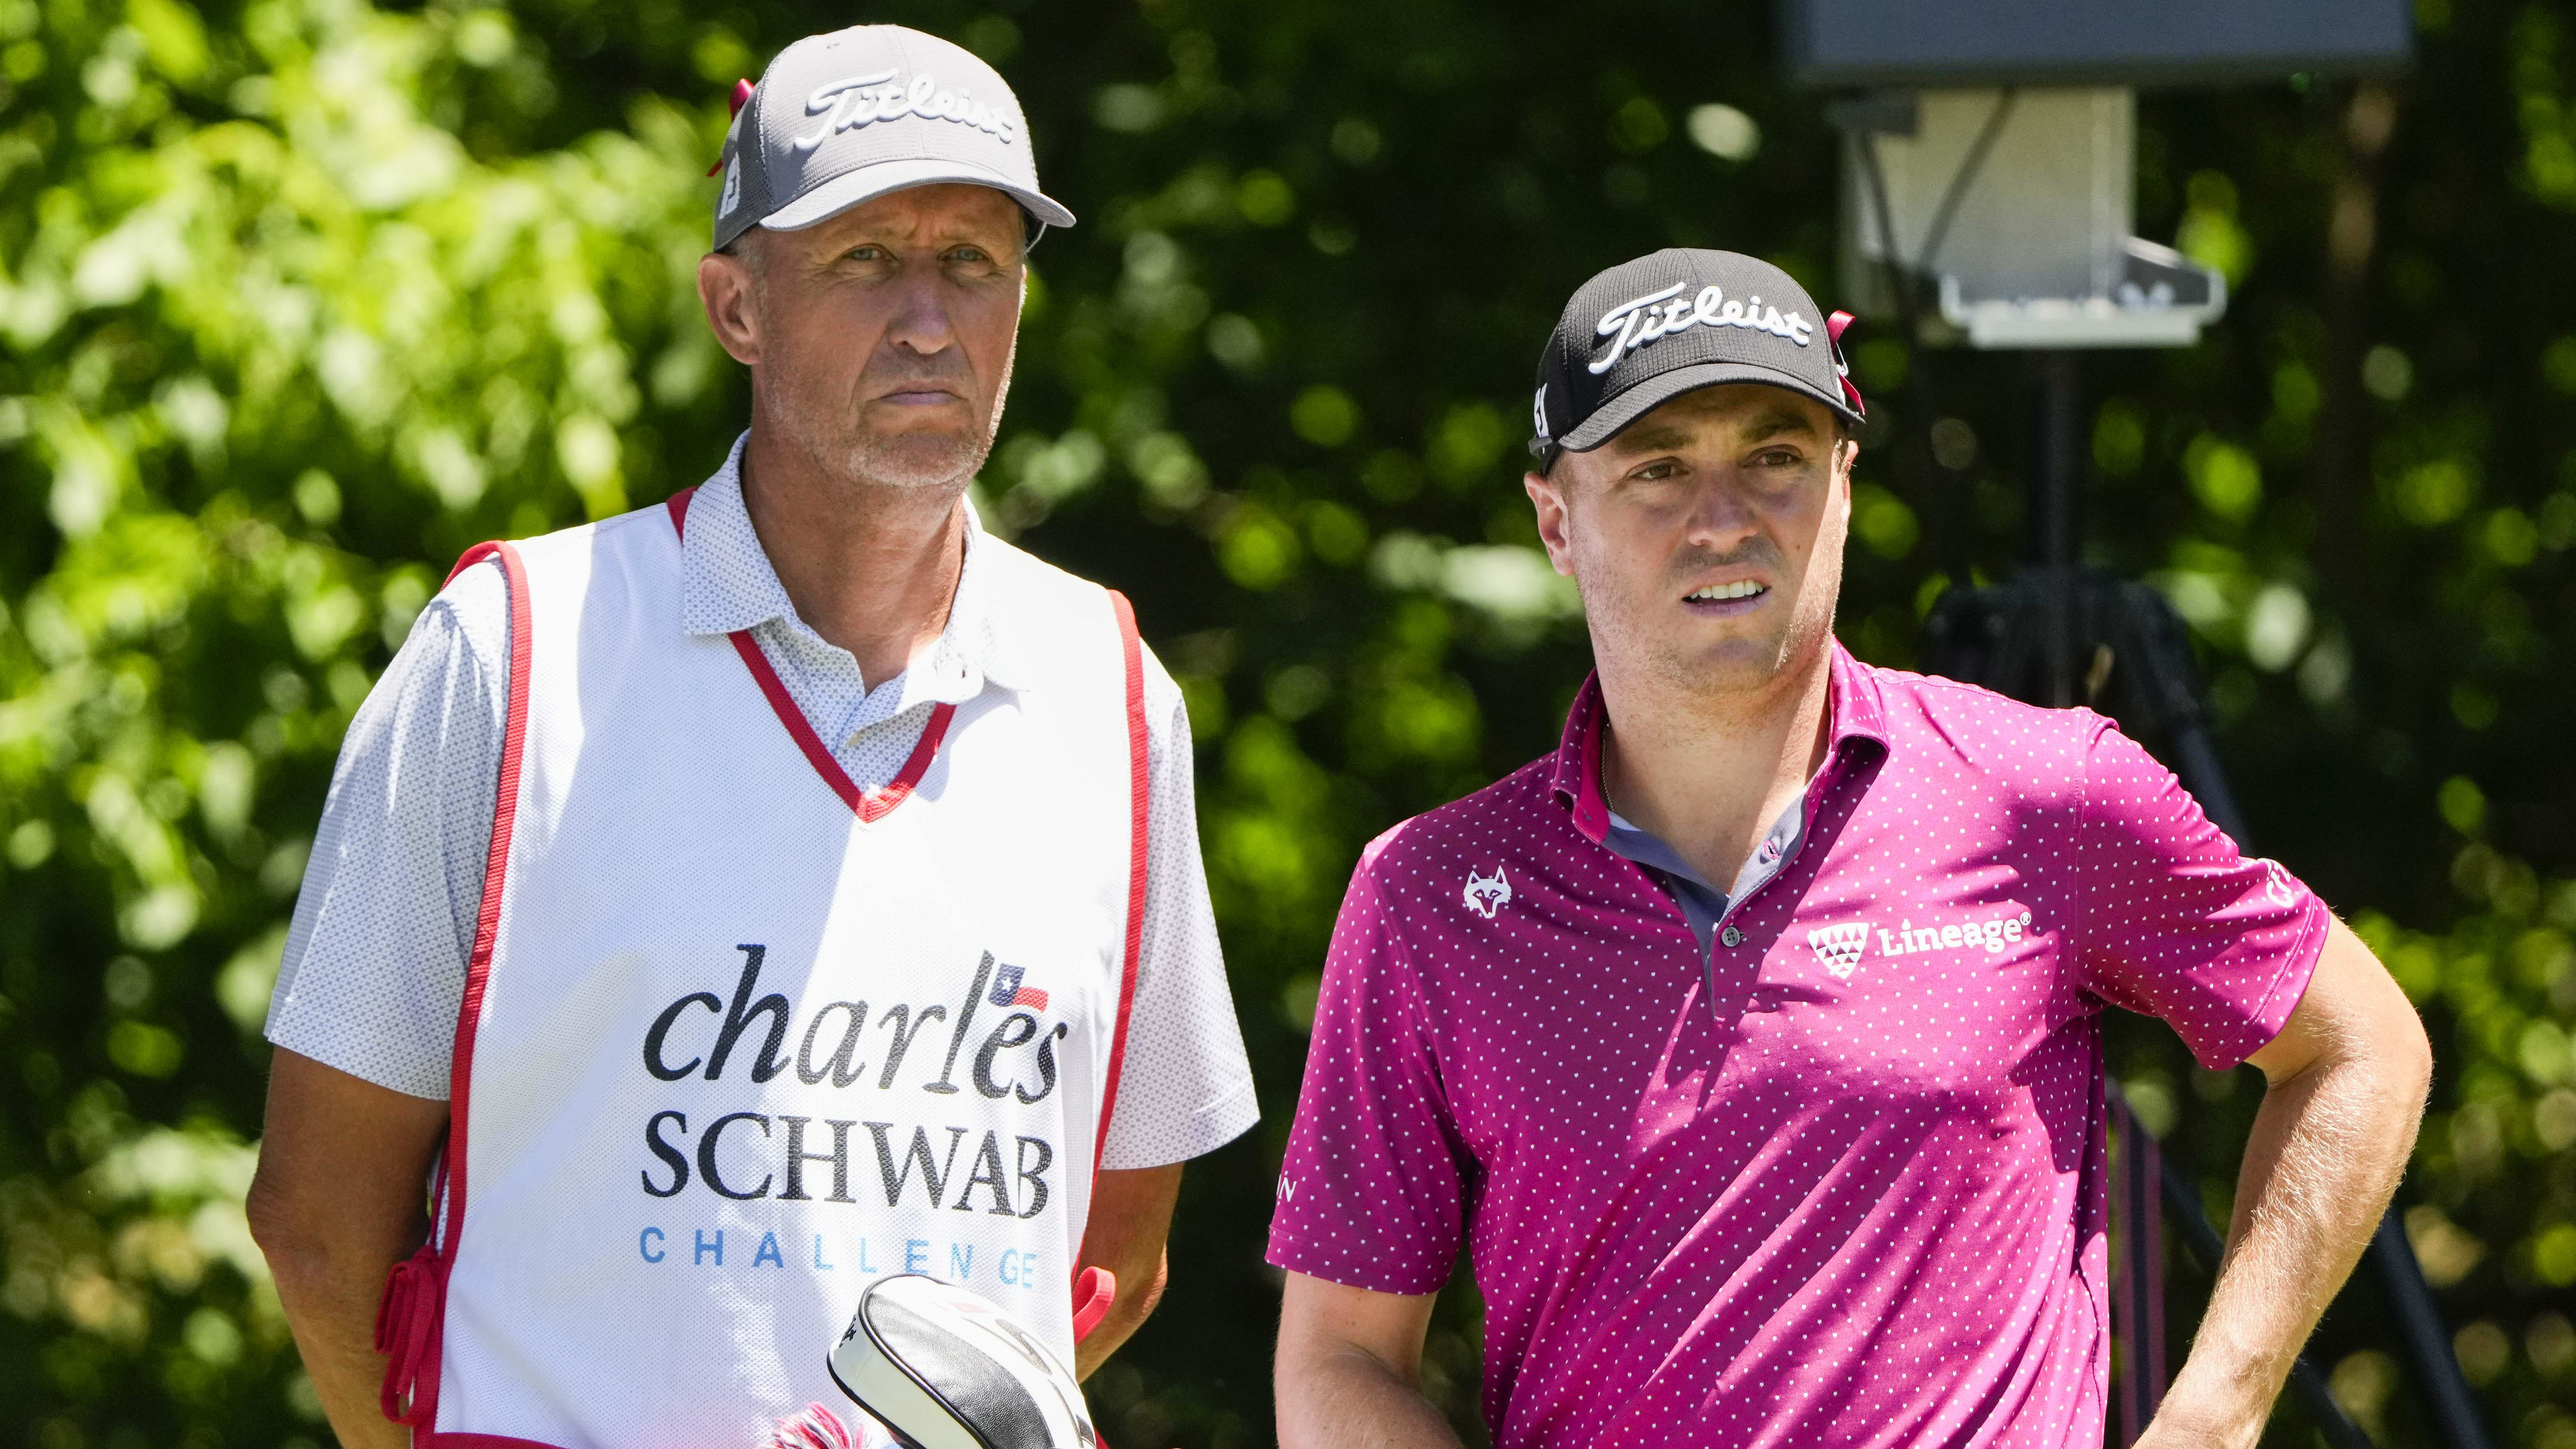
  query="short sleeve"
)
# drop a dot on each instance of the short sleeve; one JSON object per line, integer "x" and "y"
{"x": 1372, "y": 1190}
{"x": 2175, "y": 922}
{"x": 1185, "y": 1087}
{"x": 374, "y": 965}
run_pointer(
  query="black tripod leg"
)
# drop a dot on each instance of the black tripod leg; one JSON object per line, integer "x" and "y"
{"x": 2455, "y": 1411}
{"x": 2196, "y": 764}
{"x": 2184, "y": 1206}
{"x": 2392, "y": 1259}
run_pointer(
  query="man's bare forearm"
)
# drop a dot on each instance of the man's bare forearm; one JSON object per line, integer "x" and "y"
{"x": 1349, "y": 1398}
{"x": 1137, "y": 1296}
{"x": 338, "y": 1200}
{"x": 1349, "y": 1374}
{"x": 330, "y": 1296}
{"x": 1131, "y": 1216}
{"x": 2327, "y": 1149}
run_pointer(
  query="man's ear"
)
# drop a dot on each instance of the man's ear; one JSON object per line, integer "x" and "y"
{"x": 1555, "y": 521}
{"x": 725, "y": 290}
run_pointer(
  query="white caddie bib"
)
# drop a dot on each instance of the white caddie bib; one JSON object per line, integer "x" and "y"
{"x": 738, "y": 1038}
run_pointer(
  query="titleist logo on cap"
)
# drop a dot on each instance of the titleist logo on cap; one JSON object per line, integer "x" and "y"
{"x": 839, "y": 120}
{"x": 864, "y": 100}
{"x": 1716, "y": 315}
{"x": 1641, "y": 320}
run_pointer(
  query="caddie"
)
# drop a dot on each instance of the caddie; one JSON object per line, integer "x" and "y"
{"x": 1749, "y": 1042}
{"x": 721, "y": 906}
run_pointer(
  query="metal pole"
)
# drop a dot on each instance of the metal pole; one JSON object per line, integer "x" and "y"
{"x": 2052, "y": 513}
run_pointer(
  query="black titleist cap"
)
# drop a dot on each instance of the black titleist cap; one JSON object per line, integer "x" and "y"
{"x": 1647, "y": 331}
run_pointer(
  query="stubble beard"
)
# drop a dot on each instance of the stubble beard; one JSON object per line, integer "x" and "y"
{"x": 1748, "y": 668}
{"x": 839, "y": 440}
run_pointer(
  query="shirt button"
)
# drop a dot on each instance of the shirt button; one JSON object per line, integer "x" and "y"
{"x": 1731, "y": 936}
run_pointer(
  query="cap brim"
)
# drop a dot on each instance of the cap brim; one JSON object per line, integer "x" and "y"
{"x": 867, "y": 183}
{"x": 1663, "y": 387}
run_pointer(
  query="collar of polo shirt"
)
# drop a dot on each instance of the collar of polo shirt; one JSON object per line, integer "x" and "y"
{"x": 727, "y": 583}
{"x": 1853, "y": 712}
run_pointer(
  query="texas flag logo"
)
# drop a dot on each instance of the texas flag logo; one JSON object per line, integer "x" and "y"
{"x": 1007, "y": 990}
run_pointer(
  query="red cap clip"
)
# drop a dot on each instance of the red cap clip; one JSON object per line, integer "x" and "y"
{"x": 741, "y": 93}
{"x": 1834, "y": 326}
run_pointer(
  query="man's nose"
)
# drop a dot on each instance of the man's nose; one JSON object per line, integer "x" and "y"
{"x": 921, "y": 323}
{"x": 1721, "y": 516}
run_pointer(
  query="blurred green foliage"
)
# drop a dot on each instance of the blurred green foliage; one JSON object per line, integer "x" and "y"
{"x": 298, "y": 298}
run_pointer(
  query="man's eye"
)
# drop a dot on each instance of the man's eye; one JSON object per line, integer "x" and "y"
{"x": 1776, "y": 458}
{"x": 969, "y": 254}
{"x": 1657, "y": 472}
{"x": 868, "y": 254}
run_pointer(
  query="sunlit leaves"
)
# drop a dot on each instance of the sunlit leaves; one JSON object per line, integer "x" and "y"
{"x": 1266, "y": 198}
{"x": 1470, "y": 439}
{"x": 2210, "y": 234}
{"x": 1725, "y": 132}
{"x": 1882, "y": 521}
{"x": 2119, "y": 439}
{"x": 265, "y": 353}
{"x": 2434, "y": 492}
{"x": 2549, "y": 156}
{"x": 1639, "y": 125}
{"x": 1257, "y": 548}
{"x": 1324, "y": 415}
{"x": 2227, "y": 479}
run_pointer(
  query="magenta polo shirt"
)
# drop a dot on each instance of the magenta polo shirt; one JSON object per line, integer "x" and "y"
{"x": 1840, "y": 1180}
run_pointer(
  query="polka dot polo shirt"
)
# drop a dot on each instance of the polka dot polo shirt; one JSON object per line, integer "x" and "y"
{"x": 1837, "y": 1181}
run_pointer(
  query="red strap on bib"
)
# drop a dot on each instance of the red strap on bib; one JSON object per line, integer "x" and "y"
{"x": 407, "y": 1322}
{"x": 411, "y": 1317}
{"x": 1096, "y": 1288}
{"x": 1093, "y": 1292}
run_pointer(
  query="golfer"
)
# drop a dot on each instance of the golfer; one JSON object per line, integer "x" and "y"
{"x": 726, "y": 904}
{"x": 1748, "y": 1042}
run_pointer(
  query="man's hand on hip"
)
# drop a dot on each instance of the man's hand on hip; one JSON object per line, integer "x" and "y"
{"x": 2346, "y": 1080}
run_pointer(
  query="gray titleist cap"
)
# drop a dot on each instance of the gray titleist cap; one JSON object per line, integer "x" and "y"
{"x": 1647, "y": 331}
{"x": 844, "y": 118}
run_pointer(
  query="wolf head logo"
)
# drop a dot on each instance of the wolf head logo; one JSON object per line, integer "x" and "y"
{"x": 1487, "y": 894}
{"x": 1840, "y": 947}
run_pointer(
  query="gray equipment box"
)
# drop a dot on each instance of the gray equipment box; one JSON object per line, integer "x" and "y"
{"x": 1954, "y": 43}
{"x": 2034, "y": 249}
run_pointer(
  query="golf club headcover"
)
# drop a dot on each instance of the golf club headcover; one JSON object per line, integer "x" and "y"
{"x": 943, "y": 1368}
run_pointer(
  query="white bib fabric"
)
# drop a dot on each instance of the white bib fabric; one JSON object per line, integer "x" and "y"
{"x": 737, "y": 1039}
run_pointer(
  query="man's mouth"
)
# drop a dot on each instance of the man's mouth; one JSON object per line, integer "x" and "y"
{"x": 1729, "y": 593}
